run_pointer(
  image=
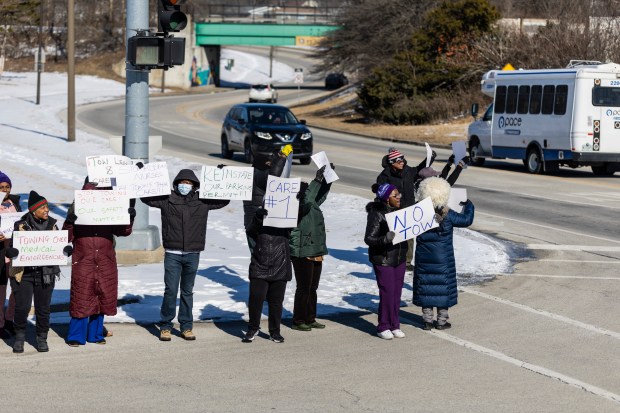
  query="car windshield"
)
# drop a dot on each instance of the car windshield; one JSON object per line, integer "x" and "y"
{"x": 259, "y": 87}
{"x": 272, "y": 117}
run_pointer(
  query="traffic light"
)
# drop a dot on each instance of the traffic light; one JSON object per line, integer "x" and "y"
{"x": 171, "y": 18}
{"x": 155, "y": 52}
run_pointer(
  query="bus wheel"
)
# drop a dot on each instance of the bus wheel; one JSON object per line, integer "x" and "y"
{"x": 474, "y": 149}
{"x": 603, "y": 170}
{"x": 533, "y": 161}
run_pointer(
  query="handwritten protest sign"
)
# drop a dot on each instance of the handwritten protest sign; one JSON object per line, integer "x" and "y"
{"x": 320, "y": 159}
{"x": 7, "y": 222}
{"x": 40, "y": 248}
{"x": 104, "y": 169}
{"x": 151, "y": 180}
{"x": 412, "y": 221}
{"x": 457, "y": 195}
{"x": 281, "y": 202}
{"x": 229, "y": 182}
{"x": 101, "y": 207}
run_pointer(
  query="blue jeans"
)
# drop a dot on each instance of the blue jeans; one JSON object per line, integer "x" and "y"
{"x": 86, "y": 329}
{"x": 179, "y": 270}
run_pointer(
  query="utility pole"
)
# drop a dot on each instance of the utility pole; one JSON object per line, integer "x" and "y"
{"x": 70, "y": 70}
{"x": 136, "y": 139}
{"x": 39, "y": 57}
{"x": 270, "y": 62}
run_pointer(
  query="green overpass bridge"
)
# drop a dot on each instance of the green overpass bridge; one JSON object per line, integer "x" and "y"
{"x": 212, "y": 36}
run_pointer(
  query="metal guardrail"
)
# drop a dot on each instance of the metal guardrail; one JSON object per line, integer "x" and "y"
{"x": 263, "y": 12}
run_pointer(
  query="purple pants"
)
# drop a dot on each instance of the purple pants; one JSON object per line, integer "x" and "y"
{"x": 390, "y": 281}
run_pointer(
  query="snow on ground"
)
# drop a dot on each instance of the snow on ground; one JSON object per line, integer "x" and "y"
{"x": 34, "y": 153}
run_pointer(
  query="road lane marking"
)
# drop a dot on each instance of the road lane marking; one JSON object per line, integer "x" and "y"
{"x": 556, "y": 247}
{"x": 549, "y": 227}
{"x": 576, "y": 277}
{"x": 544, "y": 313}
{"x": 529, "y": 366}
{"x": 582, "y": 261}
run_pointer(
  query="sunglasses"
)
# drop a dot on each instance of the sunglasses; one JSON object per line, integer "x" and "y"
{"x": 397, "y": 160}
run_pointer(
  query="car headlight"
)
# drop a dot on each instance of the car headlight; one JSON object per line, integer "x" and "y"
{"x": 263, "y": 135}
{"x": 306, "y": 136}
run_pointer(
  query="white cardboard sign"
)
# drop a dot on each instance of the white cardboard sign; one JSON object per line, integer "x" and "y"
{"x": 281, "y": 202}
{"x": 457, "y": 195}
{"x": 104, "y": 169}
{"x": 429, "y": 154}
{"x": 460, "y": 151}
{"x": 38, "y": 248}
{"x": 229, "y": 182}
{"x": 101, "y": 207}
{"x": 320, "y": 159}
{"x": 151, "y": 180}
{"x": 412, "y": 221}
{"x": 7, "y": 222}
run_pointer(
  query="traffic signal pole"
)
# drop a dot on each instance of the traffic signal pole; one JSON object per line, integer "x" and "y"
{"x": 136, "y": 140}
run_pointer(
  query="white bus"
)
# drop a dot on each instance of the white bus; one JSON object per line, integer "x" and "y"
{"x": 550, "y": 118}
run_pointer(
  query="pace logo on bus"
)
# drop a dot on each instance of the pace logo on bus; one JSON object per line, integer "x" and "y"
{"x": 501, "y": 122}
{"x": 612, "y": 112}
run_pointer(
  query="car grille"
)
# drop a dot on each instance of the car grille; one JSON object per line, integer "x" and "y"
{"x": 286, "y": 137}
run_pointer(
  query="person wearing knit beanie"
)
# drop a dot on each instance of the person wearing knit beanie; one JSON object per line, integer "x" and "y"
{"x": 5, "y": 178}
{"x": 383, "y": 191}
{"x": 9, "y": 203}
{"x": 35, "y": 201}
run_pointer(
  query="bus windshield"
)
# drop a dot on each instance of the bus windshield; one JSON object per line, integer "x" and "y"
{"x": 606, "y": 96}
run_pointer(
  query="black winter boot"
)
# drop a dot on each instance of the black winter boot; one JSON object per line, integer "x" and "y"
{"x": 20, "y": 337}
{"x": 42, "y": 343}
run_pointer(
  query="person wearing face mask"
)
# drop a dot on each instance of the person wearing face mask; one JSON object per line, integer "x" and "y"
{"x": 184, "y": 226}
{"x": 94, "y": 274}
{"x": 388, "y": 259}
{"x": 10, "y": 203}
{"x": 38, "y": 281}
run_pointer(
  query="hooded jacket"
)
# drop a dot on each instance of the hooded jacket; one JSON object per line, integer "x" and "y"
{"x": 184, "y": 218}
{"x": 94, "y": 272}
{"x": 308, "y": 238}
{"x": 261, "y": 173}
{"x": 381, "y": 251}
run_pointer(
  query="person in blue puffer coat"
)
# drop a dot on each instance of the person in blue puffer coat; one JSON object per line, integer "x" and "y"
{"x": 434, "y": 276}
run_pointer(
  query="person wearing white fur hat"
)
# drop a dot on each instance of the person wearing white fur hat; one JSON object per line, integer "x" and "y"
{"x": 434, "y": 275}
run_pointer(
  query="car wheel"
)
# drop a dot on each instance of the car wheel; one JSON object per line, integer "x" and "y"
{"x": 602, "y": 170}
{"x": 247, "y": 150}
{"x": 533, "y": 161}
{"x": 226, "y": 152}
{"x": 474, "y": 150}
{"x": 305, "y": 161}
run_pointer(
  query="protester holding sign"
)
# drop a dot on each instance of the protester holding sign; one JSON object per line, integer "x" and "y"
{"x": 308, "y": 246}
{"x": 38, "y": 281}
{"x": 183, "y": 226}
{"x": 430, "y": 172}
{"x": 434, "y": 276}
{"x": 388, "y": 259}
{"x": 94, "y": 276}
{"x": 10, "y": 204}
{"x": 403, "y": 177}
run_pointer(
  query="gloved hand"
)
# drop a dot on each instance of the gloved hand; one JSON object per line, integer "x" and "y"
{"x": 433, "y": 156}
{"x": 91, "y": 186}
{"x": 132, "y": 212}
{"x": 261, "y": 213}
{"x": 451, "y": 159}
{"x": 286, "y": 149}
{"x": 463, "y": 203}
{"x": 12, "y": 252}
{"x": 319, "y": 174}
{"x": 132, "y": 202}
{"x": 71, "y": 218}
{"x": 140, "y": 165}
{"x": 332, "y": 166}
{"x": 68, "y": 250}
{"x": 466, "y": 160}
{"x": 220, "y": 166}
{"x": 389, "y": 237}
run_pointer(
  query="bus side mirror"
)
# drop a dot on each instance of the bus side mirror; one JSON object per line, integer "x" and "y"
{"x": 474, "y": 110}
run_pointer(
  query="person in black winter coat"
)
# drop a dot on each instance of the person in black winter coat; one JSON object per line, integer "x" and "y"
{"x": 36, "y": 281}
{"x": 10, "y": 203}
{"x": 388, "y": 259}
{"x": 263, "y": 167}
{"x": 397, "y": 172}
{"x": 184, "y": 226}
{"x": 434, "y": 277}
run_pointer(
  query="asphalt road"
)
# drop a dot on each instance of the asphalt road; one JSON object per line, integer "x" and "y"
{"x": 543, "y": 338}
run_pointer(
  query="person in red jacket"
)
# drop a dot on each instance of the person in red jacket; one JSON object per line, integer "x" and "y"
{"x": 94, "y": 275}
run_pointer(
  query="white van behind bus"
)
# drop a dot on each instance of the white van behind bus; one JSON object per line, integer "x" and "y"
{"x": 551, "y": 117}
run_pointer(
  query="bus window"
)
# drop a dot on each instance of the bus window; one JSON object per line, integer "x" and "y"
{"x": 561, "y": 96}
{"x": 547, "y": 100}
{"x": 500, "y": 99}
{"x": 524, "y": 99}
{"x": 511, "y": 99}
{"x": 606, "y": 96}
{"x": 535, "y": 99}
